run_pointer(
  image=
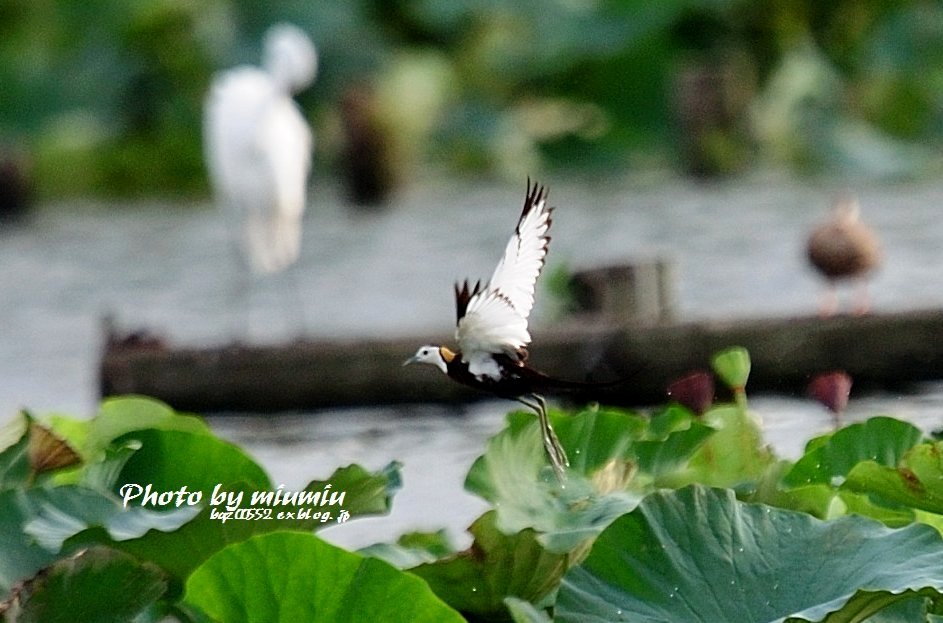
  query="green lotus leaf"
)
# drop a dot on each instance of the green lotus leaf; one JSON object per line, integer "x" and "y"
{"x": 14, "y": 459}
{"x": 615, "y": 457}
{"x": 12, "y": 431}
{"x": 412, "y": 549}
{"x": 120, "y": 415}
{"x": 169, "y": 460}
{"x": 525, "y": 612}
{"x": 916, "y": 481}
{"x": 477, "y": 581}
{"x": 827, "y": 502}
{"x": 180, "y": 551}
{"x": 700, "y": 555}
{"x": 514, "y": 476}
{"x": 57, "y": 514}
{"x": 734, "y": 455}
{"x": 292, "y": 576}
{"x": 35, "y": 523}
{"x": 20, "y": 556}
{"x": 97, "y": 585}
{"x": 366, "y": 493}
{"x": 880, "y": 439}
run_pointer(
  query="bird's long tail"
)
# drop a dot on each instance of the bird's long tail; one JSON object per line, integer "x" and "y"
{"x": 551, "y": 384}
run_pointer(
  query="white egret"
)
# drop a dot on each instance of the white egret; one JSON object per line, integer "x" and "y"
{"x": 258, "y": 147}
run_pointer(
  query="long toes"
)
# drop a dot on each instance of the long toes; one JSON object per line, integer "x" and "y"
{"x": 555, "y": 449}
{"x": 556, "y": 463}
{"x": 558, "y": 472}
{"x": 558, "y": 447}
{"x": 561, "y": 454}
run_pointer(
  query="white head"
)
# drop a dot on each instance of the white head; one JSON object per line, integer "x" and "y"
{"x": 290, "y": 57}
{"x": 437, "y": 356}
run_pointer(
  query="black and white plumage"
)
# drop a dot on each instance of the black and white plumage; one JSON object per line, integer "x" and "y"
{"x": 492, "y": 320}
{"x": 491, "y": 329}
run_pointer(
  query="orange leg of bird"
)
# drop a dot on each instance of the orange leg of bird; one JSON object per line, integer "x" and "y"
{"x": 863, "y": 298}
{"x": 829, "y": 301}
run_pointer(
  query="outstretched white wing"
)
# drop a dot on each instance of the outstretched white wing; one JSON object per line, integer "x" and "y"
{"x": 493, "y": 319}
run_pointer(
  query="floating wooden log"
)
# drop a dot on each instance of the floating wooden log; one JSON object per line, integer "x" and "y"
{"x": 878, "y": 351}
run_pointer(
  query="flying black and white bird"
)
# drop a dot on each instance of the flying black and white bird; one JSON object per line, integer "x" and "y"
{"x": 492, "y": 330}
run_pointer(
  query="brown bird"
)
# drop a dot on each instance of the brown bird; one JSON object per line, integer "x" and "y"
{"x": 844, "y": 248}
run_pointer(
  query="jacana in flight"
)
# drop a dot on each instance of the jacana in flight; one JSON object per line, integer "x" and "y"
{"x": 492, "y": 331}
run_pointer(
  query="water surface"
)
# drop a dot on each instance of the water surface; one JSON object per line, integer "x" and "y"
{"x": 172, "y": 268}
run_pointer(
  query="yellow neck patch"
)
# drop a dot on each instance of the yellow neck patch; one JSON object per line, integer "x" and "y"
{"x": 447, "y": 355}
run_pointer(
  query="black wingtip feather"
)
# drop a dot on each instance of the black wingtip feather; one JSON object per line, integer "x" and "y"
{"x": 536, "y": 193}
{"x": 463, "y": 295}
{"x": 464, "y": 292}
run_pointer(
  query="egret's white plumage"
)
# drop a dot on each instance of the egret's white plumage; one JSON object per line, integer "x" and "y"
{"x": 258, "y": 147}
{"x": 495, "y": 318}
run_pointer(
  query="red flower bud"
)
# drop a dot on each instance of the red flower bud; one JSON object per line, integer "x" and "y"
{"x": 695, "y": 391}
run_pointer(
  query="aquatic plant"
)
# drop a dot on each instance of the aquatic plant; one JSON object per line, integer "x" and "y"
{"x": 141, "y": 513}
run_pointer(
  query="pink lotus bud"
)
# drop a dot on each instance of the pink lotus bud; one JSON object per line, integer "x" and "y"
{"x": 695, "y": 391}
{"x": 831, "y": 389}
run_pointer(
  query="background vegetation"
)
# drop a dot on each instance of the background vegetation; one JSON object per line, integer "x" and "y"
{"x": 670, "y": 515}
{"x": 104, "y": 97}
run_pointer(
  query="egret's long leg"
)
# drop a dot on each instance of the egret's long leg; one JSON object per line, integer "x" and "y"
{"x": 296, "y": 316}
{"x": 241, "y": 282}
{"x": 555, "y": 451}
{"x": 240, "y": 297}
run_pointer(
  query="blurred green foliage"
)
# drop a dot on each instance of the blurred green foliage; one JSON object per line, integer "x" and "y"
{"x": 107, "y": 94}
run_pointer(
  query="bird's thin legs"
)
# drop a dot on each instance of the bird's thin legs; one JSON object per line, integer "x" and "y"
{"x": 863, "y": 298}
{"x": 829, "y": 301}
{"x": 555, "y": 451}
{"x": 240, "y": 297}
{"x": 296, "y": 315}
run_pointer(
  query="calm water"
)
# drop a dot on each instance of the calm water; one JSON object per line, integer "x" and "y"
{"x": 171, "y": 268}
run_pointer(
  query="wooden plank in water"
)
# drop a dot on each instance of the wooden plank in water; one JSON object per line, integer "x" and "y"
{"x": 879, "y": 351}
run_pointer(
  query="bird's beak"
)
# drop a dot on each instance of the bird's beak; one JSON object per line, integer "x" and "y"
{"x": 412, "y": 359}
